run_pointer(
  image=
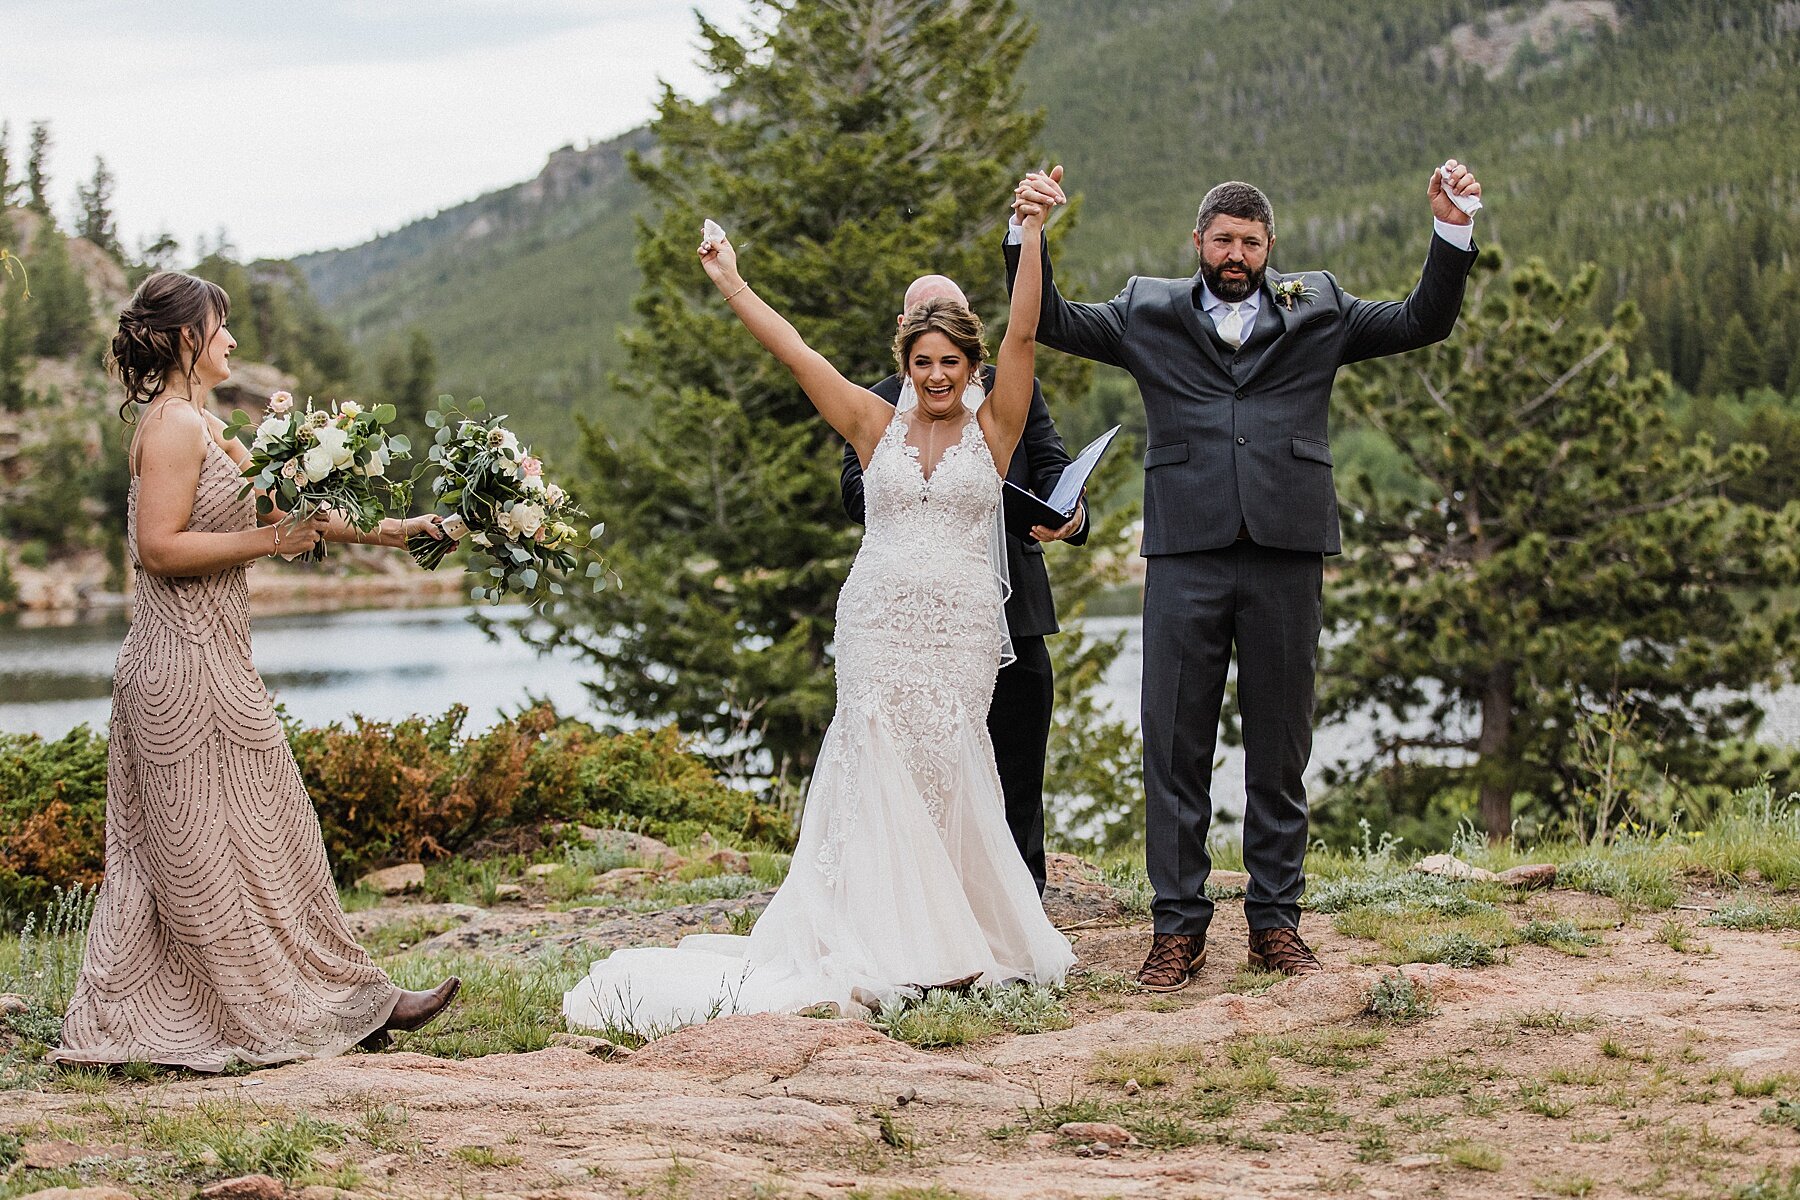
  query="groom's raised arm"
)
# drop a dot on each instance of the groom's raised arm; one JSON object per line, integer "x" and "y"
{"x": 1093, "y": 331}
{"x": 1429, "y": 314}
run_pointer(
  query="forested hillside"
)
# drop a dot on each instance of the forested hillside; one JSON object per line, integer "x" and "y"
{"x": 1654, "y": 138}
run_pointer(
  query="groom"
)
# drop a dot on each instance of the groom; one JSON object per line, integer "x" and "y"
{"x": 1019, "y": 717}
{"x": 1235, "y": 366}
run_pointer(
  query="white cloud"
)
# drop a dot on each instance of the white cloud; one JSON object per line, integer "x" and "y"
{"x": 323, "y": 125}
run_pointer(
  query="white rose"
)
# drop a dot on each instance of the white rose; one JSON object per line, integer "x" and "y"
{"x": 480, "y": 539}
{"x": 270, "y": 431}
{"x": 554, "y": 496}
{"x": 532, "y": 483}
{"x": 528, "y": 517}
{"x": 336, "y": 443}
{"x": 377, "y": 467}
{"x": 350, "y": 408}
{"x": 317, "y": 464}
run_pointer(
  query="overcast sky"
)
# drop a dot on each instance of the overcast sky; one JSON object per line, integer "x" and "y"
{"x": 303, "y": 126}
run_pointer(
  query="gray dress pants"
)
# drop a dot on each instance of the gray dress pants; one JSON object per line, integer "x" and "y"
{"x": 1197, "y": 607}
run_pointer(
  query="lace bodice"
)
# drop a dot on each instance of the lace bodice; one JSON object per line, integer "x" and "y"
{"x": 919, "y": 619}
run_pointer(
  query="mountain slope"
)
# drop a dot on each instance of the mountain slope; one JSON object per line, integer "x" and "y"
{"x": 1648, "y": 136}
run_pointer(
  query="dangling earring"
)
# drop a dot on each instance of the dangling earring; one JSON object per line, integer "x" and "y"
{"x": 909, "y": 396}
{"x": 973, "y": 395}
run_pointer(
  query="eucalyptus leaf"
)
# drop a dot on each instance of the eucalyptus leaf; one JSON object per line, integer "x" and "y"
{"x": 433, "y": 418}
{"x": 528, "y": 577}
{"x": 385, "y": 413}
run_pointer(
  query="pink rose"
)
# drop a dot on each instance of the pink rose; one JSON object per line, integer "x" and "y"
{"x": 531, "y": 466}
{"x": 280, "y": 402}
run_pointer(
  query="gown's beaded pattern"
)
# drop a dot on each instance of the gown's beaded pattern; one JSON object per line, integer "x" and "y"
{"x": 218, "y": 934}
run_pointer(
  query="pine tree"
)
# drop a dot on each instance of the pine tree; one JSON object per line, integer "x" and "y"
{"x": 854, "y": 145}
{"x": 62, "y": 309}
{"x": 8, "y": 185}
{"x": 1571, "y": 551}
{"x": 94, "y": 215}
{"x": 17, "y": 338}
{"x": 1735, "y": 363}
{"x": 37, "y": 165}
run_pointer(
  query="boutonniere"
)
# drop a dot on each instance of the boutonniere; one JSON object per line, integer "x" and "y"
{"x": 1291, "y": 291}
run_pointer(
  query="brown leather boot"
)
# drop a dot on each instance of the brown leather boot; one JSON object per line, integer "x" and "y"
{"x": 1282, "y": 950}
{"x": 1172, "y": 961}
{"x": 416, "y": 1009}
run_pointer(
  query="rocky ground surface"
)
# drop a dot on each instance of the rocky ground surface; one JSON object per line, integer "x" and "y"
{"x": 1661, "y": 1059}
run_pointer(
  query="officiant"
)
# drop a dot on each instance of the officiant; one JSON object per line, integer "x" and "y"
{"x": 1019, "y": 718}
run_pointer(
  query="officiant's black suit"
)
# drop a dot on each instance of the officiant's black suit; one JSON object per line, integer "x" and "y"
{"x": 1239, "y": 512}
{"x": 1019, "y": 718}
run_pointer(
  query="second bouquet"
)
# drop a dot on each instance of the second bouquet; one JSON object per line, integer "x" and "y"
{"x": 491, "y": 490}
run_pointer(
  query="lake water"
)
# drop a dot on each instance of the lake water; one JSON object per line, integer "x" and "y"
{"x": 393, "y": 663}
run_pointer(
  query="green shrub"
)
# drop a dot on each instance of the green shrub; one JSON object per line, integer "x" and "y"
{"x": 34, "y": 553}
{"x": 393, "y": 791}
{"x": 52, "y": 816}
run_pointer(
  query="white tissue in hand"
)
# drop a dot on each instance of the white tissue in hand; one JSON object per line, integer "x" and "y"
{"x": 1469, "y": 204}
{"x": 710, "y": 232}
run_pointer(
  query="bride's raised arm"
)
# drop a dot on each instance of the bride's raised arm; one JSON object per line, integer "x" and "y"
{"x": 1003, "y": 416}
{"x": 857, "y": 414}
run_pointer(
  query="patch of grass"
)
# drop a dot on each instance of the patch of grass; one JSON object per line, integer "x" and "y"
{"x": 1309, "y": 1116}
{"x": 46, "y": 958}
{"x": 1456, "y": 948}
{"x": 1473, "y": 1156}
{"x": 1634, "y": 876}
{"x": 220, "y": 1140}
{"x": 1677, "y": 935}
{"x": 1131, "y": 885}
{"x": 507, "y": 1005}
{"x": 1373, "y": 1146}
{"x": 471, "y": 880}
{"x": 485, "y": 1156}
{"x": 1333, "y": 1048}
{"x": 1555, "y": 1020}
{"x": 1756, "y": 915}
{"x": 1561, "y": 934}
{"x": 893, "y": 1133}
{"x": 1102, "y": 983}
{"x": 1253, "y": 981}
{"x": 1772, "y": 1185}
{"x": 1568, "y": 1185}
{"x": 1151, "y": 1066}
{"x": 1397, "y": 1000}
{"x": 942, "y": 1018}
{"x": 358, "y": 899}
{"x": 1783, "y": 1112}
{"x": 1160, "y": 1131}
{"x": 396, "y": 936}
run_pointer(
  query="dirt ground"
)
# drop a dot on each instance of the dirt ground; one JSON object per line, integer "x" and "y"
{"x": 1630, "y": 1067}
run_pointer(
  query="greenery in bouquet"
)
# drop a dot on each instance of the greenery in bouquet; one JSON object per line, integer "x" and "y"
{"x": 492, "y": 493}
{"x": 336, "y": 458}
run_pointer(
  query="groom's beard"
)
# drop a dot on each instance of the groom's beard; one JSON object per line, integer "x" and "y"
{"x": 1230, "y": 288}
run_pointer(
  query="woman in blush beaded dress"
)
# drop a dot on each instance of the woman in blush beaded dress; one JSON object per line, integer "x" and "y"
{"x": 905, "y": 875}
{"x": 217, "y": 936}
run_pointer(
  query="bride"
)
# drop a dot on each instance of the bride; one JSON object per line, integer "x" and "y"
{"x": 905, "y": 875}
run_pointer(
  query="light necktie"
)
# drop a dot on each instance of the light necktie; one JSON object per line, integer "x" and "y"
{"x": 1231, "y": 325}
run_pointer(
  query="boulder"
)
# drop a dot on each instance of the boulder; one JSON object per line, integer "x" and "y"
{"x": 1096, "y": 1133}
{"x": 1448, "y": 866}
{"x": 393, "y": 881}
{"x": 624, "y": 878}
{"x": 729, "y": 862}
{"x": 1530, "y": 877}
{"x": 646, "y": 850}
{"x": 84, "y": 1193}
{"x": 11, "y": 1004}
{"x": 542, "y": 870}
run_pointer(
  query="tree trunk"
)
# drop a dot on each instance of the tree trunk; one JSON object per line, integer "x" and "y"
{"x": 1490, "y": 747}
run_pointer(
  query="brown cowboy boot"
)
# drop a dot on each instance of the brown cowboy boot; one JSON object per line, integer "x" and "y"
{"x": 1172, "y": 961}
{"x": 1282, "y": 950}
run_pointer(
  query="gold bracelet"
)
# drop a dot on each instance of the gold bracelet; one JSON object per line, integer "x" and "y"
{"x": 734, "y": 295}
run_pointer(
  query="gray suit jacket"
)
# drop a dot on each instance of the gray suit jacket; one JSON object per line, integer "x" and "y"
{"x": 1240, "y": 439}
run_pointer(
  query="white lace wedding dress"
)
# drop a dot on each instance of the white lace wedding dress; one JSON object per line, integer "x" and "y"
{"x": 905, "y": 873}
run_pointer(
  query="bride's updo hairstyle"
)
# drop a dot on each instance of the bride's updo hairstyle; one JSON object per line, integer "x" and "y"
{"x": 147, "y": 351}
{"x": 941, "y": 315}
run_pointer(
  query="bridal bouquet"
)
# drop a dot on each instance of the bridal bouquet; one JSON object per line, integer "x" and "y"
{"x": 336, "y": 458}
{"x": 491, "y": 490}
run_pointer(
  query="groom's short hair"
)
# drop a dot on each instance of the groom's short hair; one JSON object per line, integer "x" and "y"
{"x": 1244, "y": 201}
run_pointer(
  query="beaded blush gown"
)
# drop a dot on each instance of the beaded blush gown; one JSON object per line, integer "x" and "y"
{"x": 218, "y": 935}
{"x": 905, "y": 874}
